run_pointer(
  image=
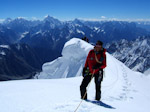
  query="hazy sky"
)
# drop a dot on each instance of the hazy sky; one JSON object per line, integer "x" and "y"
{"x": 70, "y": 9}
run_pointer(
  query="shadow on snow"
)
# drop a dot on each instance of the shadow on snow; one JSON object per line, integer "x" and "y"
{"x": 100, "y": 103}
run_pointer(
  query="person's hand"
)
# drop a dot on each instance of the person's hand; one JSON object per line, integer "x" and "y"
{"x": 96, "y": 71}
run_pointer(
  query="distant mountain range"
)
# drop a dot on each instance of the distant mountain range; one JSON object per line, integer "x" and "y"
{"x": 135, "y": 54}
{"x": 47, "y": 37}
{"x": 103, "y": 30}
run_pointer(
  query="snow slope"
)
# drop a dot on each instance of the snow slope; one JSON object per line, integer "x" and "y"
{"x": 122, "y": 91}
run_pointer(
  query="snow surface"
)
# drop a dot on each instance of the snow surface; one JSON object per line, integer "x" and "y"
{"x": 3, "y": 53}
{"x": 122, "y": 91}
{"x": 70, "y": 64}
{"x": 147, "y": 72}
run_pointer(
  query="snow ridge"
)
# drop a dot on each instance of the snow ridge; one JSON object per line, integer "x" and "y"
{"x": 70, "y": 64}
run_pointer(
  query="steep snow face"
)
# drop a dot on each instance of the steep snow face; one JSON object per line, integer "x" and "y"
{"x": 70, "y": 64}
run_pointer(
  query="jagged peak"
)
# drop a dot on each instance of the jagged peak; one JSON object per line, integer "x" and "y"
{"x": 50, "y": 18}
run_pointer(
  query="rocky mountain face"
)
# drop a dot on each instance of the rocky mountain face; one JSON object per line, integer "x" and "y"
{"x": 47, "y": 37}
{"x": 135, "y": 54}
{"x": 7, "y": 35}
{"x": 18, "y": 61}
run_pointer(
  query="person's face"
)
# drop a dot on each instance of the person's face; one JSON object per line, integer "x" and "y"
{"x": 98, "y": 47}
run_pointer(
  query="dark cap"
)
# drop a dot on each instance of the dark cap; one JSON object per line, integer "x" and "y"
{"x": 99, "y": 43}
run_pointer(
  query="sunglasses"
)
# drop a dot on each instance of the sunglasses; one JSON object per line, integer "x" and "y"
{"x": 99, "y": 46}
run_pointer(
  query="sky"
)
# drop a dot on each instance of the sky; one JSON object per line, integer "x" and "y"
{"x": 71, "y": 9}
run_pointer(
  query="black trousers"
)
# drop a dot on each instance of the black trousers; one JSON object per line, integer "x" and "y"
{"x": 85, "y": 82}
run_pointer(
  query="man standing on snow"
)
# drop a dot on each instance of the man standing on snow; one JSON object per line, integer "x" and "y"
{"x": 94, "y": 65}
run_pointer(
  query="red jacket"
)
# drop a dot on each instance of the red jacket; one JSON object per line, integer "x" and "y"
{"x": 92, "y": 63}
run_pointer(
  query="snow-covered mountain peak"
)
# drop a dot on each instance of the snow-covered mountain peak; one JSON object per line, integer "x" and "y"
{"x": 77, "y": 21}
{"x": 51, "y": 19}
{"x": 48, "y": 18}
{"x": 8, "y": 20}
{"x": 135, "y": 54}
{"x": 76, "y": 48}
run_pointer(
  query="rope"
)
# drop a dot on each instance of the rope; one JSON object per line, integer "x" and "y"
{"x": 97, "y": 60}
{"x": 85, "y": 92}
{"x": 91, "y": 80}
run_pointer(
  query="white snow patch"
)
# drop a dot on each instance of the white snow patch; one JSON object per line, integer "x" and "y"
{"x": 38, "y": 32}
{"x": 144, "y": 43}
{"x": 79, "y": 31}
{"x": 23, "y": 35}
{"x": 77, "y": 25}
{"x": 96, "y": 28}
{"x": 5, "y": 46}
{"x": 91, "y": 35}
{"x": 3, "y": 53}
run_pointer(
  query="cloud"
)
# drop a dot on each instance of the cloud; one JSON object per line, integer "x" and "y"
{"x": 2, "y": 20}
{"x": 34, "y": 18}
{"x": 103, "y": 17}
{"x": 89, "y": 19}
{"x": 22, "y": 17}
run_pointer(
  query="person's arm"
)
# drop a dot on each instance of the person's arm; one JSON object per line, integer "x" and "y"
{"x": 103, "y": 62}
{"x": 87, "y": 64}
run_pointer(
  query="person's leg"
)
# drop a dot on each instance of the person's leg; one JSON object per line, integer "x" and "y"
{"x": 83, "y": 86}
{"x": 98, "y": 80}
{"x": 98, "y": 88}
